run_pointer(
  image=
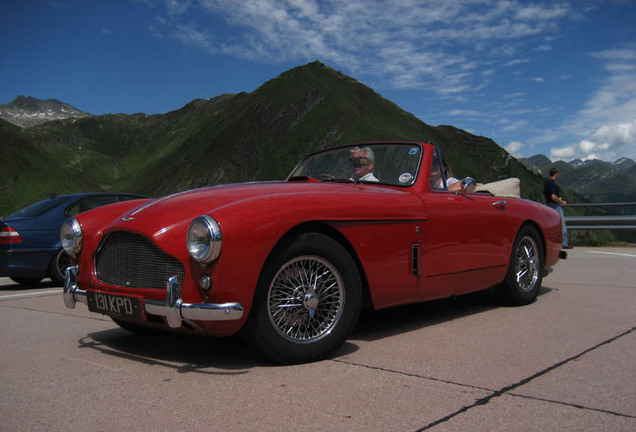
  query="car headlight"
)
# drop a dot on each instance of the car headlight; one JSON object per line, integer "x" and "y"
{"x": 71, "y": 236}
{"x": 204, "y": 239}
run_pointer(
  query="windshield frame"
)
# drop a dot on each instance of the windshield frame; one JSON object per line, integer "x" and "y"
{"x": 405, "y": 179}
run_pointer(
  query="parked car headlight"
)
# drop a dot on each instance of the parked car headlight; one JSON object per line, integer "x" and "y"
{"x": 204, "y": 239}
{"x": 71, "y": 236}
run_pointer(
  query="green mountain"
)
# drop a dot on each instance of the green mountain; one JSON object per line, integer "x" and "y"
{"x": 230, "y": 138}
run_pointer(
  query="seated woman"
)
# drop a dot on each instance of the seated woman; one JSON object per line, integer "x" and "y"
{"x": 436, "y": 180}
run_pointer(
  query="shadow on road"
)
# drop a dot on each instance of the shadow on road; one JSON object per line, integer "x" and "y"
{"x": 181, "y": 352}
{"x": 232, "y": 355}
{"x": 375, "y": 325}
{"x": 14, "y": 286}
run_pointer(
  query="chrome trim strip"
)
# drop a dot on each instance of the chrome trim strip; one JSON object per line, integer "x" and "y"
{"x": 72, "y": 292}
{"x": 155, "y": 201}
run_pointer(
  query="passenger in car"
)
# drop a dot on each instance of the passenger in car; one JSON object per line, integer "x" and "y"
{"x": 362, "y": 164}
{"x": 452, "y": 183}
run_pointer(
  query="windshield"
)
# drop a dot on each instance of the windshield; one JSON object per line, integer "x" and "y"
{"x": 38, "y": 208}
{"x": 395, "y": 164}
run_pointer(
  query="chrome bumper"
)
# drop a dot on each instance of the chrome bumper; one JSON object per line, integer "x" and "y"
{"x": 173, "y": 309}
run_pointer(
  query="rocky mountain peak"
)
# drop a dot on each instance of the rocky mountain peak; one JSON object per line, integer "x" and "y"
{"x": 28, "y": 111}
{"x": 624, "y": 163}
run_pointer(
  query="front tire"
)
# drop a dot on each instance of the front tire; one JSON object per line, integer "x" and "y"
{"x": 524, "y": 277}
{"x": 307, "y": 301}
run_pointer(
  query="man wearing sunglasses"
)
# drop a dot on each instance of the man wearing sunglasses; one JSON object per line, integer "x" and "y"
{"x": 362, "y": 160}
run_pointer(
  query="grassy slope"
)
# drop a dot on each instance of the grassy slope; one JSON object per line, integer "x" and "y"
{"x": 29, "y": 172}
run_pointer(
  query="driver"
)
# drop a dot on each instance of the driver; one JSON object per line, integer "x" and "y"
{"x": 362, "y": 164}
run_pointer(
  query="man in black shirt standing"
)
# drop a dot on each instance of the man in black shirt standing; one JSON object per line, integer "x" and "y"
{"x": 552, "y": 199}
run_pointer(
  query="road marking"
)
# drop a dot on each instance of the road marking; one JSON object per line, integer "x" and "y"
{"x": 613, "y": 253}
{"x": 32, "y": 294}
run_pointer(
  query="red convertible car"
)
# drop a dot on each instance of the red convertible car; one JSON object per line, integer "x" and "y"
{"x": 290, "y": 264}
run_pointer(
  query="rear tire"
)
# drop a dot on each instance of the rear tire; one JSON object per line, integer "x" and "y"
{"x": 307, "y": 300}
{"x": 523, "y": 280}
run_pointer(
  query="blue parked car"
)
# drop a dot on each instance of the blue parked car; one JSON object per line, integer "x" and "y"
{"x": 30, "y": 247}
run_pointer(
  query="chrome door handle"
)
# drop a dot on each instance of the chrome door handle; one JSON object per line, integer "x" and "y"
{"x": 500, "y": 204}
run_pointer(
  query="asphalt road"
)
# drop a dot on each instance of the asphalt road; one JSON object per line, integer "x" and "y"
{"x": 565, "y": 363}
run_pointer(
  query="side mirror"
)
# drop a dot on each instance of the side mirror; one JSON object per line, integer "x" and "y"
{"x": 469, "y": 185}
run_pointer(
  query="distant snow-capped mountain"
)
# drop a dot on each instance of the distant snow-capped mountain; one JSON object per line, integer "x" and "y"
{"x": 624, "y": 163}
{"x": 29, "y": 111}
{"x": 595, "y": 179}
{"x": 542, "y": 164}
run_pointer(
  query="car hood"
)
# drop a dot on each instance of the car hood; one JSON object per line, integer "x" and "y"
{"x": 158, "y": 217}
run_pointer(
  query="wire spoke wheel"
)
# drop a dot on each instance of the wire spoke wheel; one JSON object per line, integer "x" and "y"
{"x": 306, "y": 299}
{"x": 527, "y": 264}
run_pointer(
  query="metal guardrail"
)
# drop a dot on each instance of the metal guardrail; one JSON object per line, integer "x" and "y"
{"x": 612, "y": 222}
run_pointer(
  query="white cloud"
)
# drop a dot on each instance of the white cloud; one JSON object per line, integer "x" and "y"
{"x": 608, "y": 142}
{"x": 514, "y": 148}
{"x": 516, "y": 62}
{"x": 190, "y": 36}
{"x": 436, "y": 45}
{"x": 616, "y": 135}
{"x": 465, "y": 113}
{"x": 607, "y": 121}
{"x": 542, "y": 13}
{"x": 176, "y": 7}
{"x": 564, "y": 153}
{"x": 544, "y": 48}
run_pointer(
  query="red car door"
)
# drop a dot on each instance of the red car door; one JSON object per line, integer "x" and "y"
{"x": 467, "y": 244}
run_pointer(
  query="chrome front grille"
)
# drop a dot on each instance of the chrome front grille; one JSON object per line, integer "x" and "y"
{"x": 130, "y": 260}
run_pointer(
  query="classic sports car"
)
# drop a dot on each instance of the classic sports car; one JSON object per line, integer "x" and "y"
{"x": 30, "y": 248}
{"x": 291, "y": 263}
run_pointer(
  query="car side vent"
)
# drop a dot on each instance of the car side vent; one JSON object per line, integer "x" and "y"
{"x": 415, "y": 258}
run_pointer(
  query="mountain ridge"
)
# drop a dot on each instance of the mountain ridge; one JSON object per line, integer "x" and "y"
{"x": 596, "y": 180}
{"x": 230, "y": 138}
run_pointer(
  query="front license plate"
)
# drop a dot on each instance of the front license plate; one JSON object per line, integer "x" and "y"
{"x": 110, "y": 304}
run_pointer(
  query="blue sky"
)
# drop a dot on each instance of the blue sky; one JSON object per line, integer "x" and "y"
{"x": 550, "y": 77}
